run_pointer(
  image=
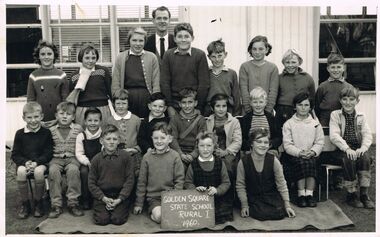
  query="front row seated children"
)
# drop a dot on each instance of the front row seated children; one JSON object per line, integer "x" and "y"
{"x": 350, "y": 132}
{"x": 259, "y": 118}
{"x": 32, "y": 151}
{"x": 260, "y": 182}
{"x": 128, "y": 125}
{"x": 86, "y": 147}
{"x": 157, "y": 107}
{"x": 186, "y": 125}
{"x": 111, "y": 180}
{"x": 161, "y": 170}
{"x": 64, "y": 135}
{"x": 303, "y": 141}
{"x": 209, "y": 174}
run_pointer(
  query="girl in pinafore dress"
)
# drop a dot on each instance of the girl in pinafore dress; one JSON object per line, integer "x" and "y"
{"x": 260, "y": 182}
{"x": 208, "y": 173}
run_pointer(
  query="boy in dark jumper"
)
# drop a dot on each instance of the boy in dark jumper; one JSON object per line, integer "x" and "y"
{"x": 86, "y": 147}
{"x": 111, "y": 180}
{"x": 184, "y": 67}
{"x": 223, "y": 80}
{"x": 327, "y": 95}
{"x": 186, "y": 126}
{"x": 157, "y": 107}
{"x": 32, "y": 151}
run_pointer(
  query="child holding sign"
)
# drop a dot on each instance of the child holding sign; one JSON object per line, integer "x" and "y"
{"x": 161, "y": 169}
{"x": 209, "y": 174}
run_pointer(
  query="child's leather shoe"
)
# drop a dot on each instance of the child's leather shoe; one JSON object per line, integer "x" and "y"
{"x": 38, "y": 209}
{"x": 75, "y": 210}
{"x": 368, "y": 203}
{"x": 55, "y": 212}
{"x": 301, "y": 202}
{"x": 353, "y": 200}
{"x": 24, "y": 210}
{"x": 310, "y": 200}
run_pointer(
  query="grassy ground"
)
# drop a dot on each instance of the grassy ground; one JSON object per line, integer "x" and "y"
{"x": 363, "y": 219}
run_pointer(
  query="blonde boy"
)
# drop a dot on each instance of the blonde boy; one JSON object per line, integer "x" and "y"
{"x": 32, "y": 151}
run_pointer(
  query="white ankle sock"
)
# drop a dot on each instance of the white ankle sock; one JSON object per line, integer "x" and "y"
{"x": 309, "y": 192}
{"x": 301, "y": 193}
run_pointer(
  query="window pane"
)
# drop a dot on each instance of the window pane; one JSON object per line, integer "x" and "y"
{"x": 350, "y": 39}
{"x": 21, "y": 43}
{"x": 73, "y": 38}
{"x": 17, "y": 82}
{"x": 347, "y": 10}
{"x": 79, "y": 13}
{"x": 19, "y": 14}
{"x": 361, "y": 75}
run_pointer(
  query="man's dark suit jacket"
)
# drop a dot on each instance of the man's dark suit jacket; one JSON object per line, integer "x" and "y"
{"x": 151, "y": 45}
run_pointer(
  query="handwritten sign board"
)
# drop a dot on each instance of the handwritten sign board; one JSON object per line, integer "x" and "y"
{"x": 186, "y": 210}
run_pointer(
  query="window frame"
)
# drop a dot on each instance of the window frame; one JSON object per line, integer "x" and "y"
{"x": 350, "y": 60}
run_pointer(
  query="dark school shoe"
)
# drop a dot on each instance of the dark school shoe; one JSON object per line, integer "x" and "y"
{"x": 55, "y": 212}
{"x": 38, "y": 209}
{"x": 368, "y": 203}
{"x": 353, "y": 200}
{"x": 24, "y": 210}
{"x": 310, "y": 200}
{"x": 75, "y": 210}
{"x": 301, "y": 202}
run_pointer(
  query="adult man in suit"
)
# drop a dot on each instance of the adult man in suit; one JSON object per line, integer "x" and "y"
{"x": 161, "y": 41}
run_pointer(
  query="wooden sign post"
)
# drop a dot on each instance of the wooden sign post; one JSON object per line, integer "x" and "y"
{"x": 186, "y": 210}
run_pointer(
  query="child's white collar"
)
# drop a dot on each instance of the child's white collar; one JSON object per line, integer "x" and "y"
{"x": 27, "y": 130}
{"x": 90, "y": 136}
{"x": 118, "y": 117}
{"x": 204, "y": 160}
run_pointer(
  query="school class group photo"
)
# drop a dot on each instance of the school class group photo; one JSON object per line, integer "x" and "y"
{"x": 170, "y": 116}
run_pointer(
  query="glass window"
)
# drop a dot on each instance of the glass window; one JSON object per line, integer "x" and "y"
{"x": 21, "y": 40}
{"x": 351, "y": 32}
{"x": 70, "y": 38}
{"x": 22, "y": 14}
{"x": 69, "y": 42}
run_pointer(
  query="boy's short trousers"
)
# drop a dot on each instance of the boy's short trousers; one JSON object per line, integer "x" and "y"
{"x": 152, "y": 203}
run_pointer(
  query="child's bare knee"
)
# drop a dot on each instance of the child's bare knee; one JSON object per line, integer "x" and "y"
{"x": 156, "y": 214}
{"x": 39, "y": 173}
{"x": 21, "y": 173}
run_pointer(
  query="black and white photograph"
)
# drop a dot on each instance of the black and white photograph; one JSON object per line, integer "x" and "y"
{"x": 196, "y": 118}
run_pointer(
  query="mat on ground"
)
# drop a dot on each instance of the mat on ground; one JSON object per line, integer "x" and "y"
{"x": 326, "y": 216}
